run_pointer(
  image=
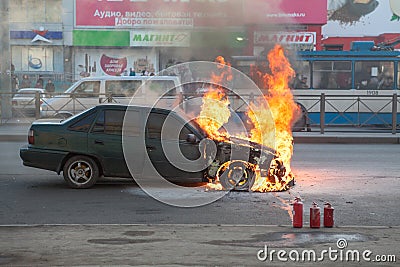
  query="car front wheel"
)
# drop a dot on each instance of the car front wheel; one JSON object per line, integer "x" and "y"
{"x": 237, "y": 176}
{"x": 80, "y": 172}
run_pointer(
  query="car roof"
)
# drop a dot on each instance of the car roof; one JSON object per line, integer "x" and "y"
{"x": 31, "y": 89}
{"x": 125, "y": 106}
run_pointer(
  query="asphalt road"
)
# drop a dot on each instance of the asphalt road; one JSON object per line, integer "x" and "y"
{"x": 360, "y": 181}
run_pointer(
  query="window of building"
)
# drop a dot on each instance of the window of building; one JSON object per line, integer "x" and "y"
{"x": 33, "y": 58}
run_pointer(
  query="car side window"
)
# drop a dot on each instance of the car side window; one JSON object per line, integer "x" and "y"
{"x": 122, "y": 88}
{"x": 161, "y": 87}
{"x": 109, "y": 122}
{"x": 88, "y": 89}
{"x": 83, "y": 125}
{"x": 169, "y": 131}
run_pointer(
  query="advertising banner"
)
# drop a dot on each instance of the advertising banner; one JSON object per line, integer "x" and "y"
{"x": 365, "y": 18}
{"x": 156, "y": 13}
{"x": 114, "y": 62}
{"x": 285, "y": 12}
{"x": 186, "y": 14}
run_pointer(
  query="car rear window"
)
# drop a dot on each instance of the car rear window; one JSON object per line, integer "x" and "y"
{"x": 83, "y": 125}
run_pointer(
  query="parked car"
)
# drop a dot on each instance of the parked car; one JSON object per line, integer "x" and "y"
{"x": 89, "y": 145}
{"x": 91, "y": 91}
{"x": 24, "y": 103}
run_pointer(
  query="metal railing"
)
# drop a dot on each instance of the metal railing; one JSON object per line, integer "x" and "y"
{"x": 365, "y": 110}
{"x": 322, "y": 111}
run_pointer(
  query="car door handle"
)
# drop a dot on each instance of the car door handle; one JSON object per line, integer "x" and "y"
{"x": 98, "y": 142}
{"x": 151, "y": 148}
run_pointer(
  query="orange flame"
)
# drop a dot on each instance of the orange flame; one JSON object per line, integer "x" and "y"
{"x": 274, "y": 132}
{"x": 215, "y": 110}
{"x": 283, "y": 108}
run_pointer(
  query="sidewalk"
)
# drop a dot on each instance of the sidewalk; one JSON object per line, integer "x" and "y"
{"x": 191, "y": 245}
{"x": 18, "y": 132}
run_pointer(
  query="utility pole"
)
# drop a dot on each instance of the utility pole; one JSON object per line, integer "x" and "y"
{"x": 5, "y": 61}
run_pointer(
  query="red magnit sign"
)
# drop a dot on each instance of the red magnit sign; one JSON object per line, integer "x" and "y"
{"x": 263, "y": 38}
{"x": 196, "y": 13}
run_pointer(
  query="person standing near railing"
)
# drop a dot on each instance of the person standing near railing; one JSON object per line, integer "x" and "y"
{"x": 25, "y": 83}
{"x": 50, "y": 88}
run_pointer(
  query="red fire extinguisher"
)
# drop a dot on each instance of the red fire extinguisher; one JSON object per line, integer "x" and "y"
{"x": 328, "y": 215}
{"x": 315, "y": 215}
{"x": 297, "y": 213}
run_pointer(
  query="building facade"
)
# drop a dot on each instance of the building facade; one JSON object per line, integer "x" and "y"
{"x": 67, "y": 40}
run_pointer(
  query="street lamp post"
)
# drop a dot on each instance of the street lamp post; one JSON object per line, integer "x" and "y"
{"x": 5, "y": 61}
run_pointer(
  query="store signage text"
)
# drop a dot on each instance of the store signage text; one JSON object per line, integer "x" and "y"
{"x": 261, "y": 38}
{"x": 151, "y": 38}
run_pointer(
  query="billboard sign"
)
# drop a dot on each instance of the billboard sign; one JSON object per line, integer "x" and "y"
{"x": 285, "y": 12}
{"x": 186, "y": 14}
{"x": 156, "y": 13}
{"x": 367, "y": 18}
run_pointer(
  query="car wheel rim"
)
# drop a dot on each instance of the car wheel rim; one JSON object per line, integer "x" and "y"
{"x": 235, "y": 177}
{"x": 80, "y": 172}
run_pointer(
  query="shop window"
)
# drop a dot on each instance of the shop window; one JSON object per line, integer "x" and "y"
{"x": 33, "y": 58}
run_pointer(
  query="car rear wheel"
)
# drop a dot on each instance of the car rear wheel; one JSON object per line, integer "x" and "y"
{"x": 80, "y": 172}
{"x": 237, "y": 176}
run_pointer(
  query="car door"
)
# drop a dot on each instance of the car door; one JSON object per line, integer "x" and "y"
{"x": 162, "y": 142}
{"x": 105, "y": 142}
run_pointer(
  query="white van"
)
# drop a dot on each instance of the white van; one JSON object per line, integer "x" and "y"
{"x": 92, "y": 91}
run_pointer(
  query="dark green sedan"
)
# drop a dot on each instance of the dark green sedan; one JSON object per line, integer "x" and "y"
{"x": 90, "y": 145}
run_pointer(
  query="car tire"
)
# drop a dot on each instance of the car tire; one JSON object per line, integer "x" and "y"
{"x": 80, "y": 172}
{"x": 237, "y": 176}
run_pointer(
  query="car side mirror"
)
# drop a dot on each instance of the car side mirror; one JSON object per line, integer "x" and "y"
{"x": 191, "y": 138}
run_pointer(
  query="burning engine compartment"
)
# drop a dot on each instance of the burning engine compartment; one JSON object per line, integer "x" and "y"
{"x": 269, "y": 143}
{"x": 239, "y": 163}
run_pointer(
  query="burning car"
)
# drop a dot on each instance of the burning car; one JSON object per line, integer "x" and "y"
{"x": 89, "y": 145}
